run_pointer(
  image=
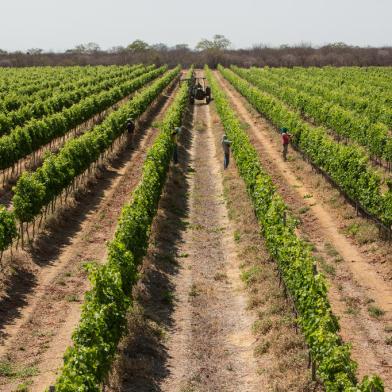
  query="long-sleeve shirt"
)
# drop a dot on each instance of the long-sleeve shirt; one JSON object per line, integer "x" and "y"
{"x": 226, "y": 145}
{"x": 285, "y": 138}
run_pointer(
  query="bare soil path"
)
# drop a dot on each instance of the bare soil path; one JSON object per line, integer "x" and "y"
{"x": 192, "y": 328}
{"x": 34, "y": 337}
{"x": 357, "y": 290}
{"x": 210, "y": 347}
{"x": 210, "y": 314}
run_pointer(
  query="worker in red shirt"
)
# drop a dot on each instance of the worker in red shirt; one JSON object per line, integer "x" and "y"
{"x": 285, "y": 142}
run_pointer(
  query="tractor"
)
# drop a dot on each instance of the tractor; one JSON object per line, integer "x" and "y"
{"x": 198, "y": 90}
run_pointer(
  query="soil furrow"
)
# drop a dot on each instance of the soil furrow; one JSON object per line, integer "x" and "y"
{"x": 209, "y": 313}
{"x": 36, "y": 337}
{"x": 355, "y": 286}
{"x": 211, "y": 346}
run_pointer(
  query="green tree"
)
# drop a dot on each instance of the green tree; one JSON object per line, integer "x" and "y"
{"x": 338, "y": 45}
{"x": 138, "y": 46}
{"x": 218, "y": 42}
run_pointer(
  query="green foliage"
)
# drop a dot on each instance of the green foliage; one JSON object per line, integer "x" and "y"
{"x": 103, "y": 318}
{"x": 35, "y": 190}
{"x": 7, "y": 369}
{"x": 138, "y": 46}
{"x": 22, "y": 141}
{"x": 375, "y": 311}
{"x": 8, "y": 231}
{"x": 329, "y": 108}
{"x": 67, "y": 94}
{"x": 347, "y": 165}
{"x": 309, "y": 292}
{"x": 218, "y": 42}
{"x": 22, "y": 86}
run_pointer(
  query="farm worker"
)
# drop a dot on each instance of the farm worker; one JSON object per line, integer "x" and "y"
{"x": 226, "y": 151}
{"x": 174, "y": 136}
{"x": 130, "y": 130}
{"x": 285, "y": 141}
{"x": 208, "y": 94}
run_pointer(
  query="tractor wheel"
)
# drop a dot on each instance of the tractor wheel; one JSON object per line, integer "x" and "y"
{"x": 192, "y": 100}
{"x": 208, "y": 99}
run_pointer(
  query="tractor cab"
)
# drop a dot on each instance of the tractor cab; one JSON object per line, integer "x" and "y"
{"x": 198, "y": 89}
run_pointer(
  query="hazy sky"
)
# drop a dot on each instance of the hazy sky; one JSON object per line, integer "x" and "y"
{"x": 62, "y": 24}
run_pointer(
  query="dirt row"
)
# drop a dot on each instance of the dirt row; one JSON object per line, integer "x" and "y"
{"x": 42, "y": 301}
{"x": 212, "y": 338}
{"x": 348, "y": 250}
{"x": 210, "y": 315}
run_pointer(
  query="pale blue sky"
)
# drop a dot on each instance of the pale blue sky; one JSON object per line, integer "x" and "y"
{"x": 62, "y": 24}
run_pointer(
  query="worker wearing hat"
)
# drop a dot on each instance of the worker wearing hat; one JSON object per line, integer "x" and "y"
{"x": 175, "y": 133}
{"x": 226, "y": 143}
{"x": 285, "y": 142}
